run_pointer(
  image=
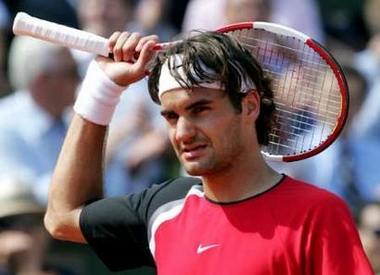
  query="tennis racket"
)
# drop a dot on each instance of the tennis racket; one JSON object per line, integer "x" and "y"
{"x": 311, "y": 92}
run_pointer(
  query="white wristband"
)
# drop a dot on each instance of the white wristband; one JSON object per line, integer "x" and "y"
{"x": 98, "y": 96}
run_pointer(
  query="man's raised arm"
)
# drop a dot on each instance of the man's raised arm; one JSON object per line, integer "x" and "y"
{"x": 78, "y": 175}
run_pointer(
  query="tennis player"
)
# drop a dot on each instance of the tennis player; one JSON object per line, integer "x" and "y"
{"x": 238, "y": 216}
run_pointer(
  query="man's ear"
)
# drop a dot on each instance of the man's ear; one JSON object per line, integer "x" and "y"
{"x": 251, "y": 103}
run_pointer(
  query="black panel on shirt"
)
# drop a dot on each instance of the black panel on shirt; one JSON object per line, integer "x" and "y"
{"x": 116, "y": 228}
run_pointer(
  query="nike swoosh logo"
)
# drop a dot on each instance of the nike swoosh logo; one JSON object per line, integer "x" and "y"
{"x": 202, "y": 249}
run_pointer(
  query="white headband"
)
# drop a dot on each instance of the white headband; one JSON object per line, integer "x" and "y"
{"x": 168, "y": 83}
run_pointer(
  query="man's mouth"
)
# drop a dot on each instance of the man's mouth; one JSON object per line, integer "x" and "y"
{"x": 192, "y": 152}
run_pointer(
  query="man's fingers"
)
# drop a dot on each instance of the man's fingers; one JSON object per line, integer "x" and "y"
{"x": 131, "y": 55}
{"x": 125, "y": 46}
{"x": 146, "y": 54}
{"x": 146, "y": 39}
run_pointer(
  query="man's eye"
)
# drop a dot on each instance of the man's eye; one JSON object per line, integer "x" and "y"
{"x": 200, "y": 109}
{"x": 171, "y": 116}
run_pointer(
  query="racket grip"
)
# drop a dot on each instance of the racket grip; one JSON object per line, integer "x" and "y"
{"x": 25, "y": 24}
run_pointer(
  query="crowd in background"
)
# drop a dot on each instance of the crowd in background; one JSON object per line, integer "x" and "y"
{"x": 39, "y": 81}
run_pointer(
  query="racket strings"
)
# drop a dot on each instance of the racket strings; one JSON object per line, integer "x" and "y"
{"x": 306, "y": 91}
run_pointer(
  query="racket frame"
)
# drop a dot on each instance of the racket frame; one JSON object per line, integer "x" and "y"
{"x": 327, "y": 57}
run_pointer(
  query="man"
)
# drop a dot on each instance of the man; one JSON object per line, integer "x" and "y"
{"x": 369, "y": 230}
{"x": 239, "y": 216}
{"x": 25, "y": 246}
{"x": 133, "y": 162}
{"x": 34, "y": 118}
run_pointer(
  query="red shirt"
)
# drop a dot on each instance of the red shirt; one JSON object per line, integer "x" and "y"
{"x": 293, "y": 228}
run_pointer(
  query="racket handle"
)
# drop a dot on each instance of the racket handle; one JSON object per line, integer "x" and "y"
{"x": 24, "y": 24}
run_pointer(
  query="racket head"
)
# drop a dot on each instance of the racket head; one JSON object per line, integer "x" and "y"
{"x": 310, "y": 89}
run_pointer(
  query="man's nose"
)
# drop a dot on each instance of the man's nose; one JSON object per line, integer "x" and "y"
{"x": 184, "y": 129}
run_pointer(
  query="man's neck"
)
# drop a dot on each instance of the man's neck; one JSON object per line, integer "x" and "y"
{"x": 241, "y": 183}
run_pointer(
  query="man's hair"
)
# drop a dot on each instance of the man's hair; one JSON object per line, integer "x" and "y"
{"x": 215, "y": 57}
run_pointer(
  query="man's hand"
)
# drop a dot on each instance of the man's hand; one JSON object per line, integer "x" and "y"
{"x": 131, "y": 54}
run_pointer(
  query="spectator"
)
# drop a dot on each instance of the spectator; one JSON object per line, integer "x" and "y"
{"x": 138, "y": 151}
{"x": 369, "y": 229}
{"x": 4, "y": 24}
{"x": 368, "y": 61}
{"x": 198, "y": 15}
{"x": 368, "y": 120}
{"x": 150, "y": 17}
{"x": 305, "y": 18}
{"x": 33, "y": 119}
{"x": 101, "y": 17}
{"x": 175, "y": 11}
{"x": 342, "y": 22}
{"x": 59, "y": 11}
{"x": 24, "y": 242}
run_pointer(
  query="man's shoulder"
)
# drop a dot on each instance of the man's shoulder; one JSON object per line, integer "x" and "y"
{"x": 176, "y": 186}
{"x": 299, "y": 199}
{"x": 14, "y": 106}
{"x": 309, "y": 192}
{"x": 169, "y": 191}
{"x": 187, "y": 180}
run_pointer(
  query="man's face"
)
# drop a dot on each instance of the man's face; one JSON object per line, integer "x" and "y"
{"x": 247, "y": 10}
{"x": 103, "y": 17}
{"x": 60, "y": 82}
{"x": 204, "y": 128}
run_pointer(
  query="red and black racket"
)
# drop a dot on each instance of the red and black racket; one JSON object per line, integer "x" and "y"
{"x": 311, "y": 92}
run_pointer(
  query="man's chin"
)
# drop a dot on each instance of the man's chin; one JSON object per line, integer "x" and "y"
{"x": 192, "y": 170}
{"x": 196, "y": 171}
{"x": 194, "y": 174}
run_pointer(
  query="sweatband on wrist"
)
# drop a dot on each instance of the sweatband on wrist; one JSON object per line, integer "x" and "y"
{"x": 98, "y": 96}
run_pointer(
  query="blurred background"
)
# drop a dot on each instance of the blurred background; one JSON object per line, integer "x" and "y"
{"x": 39, "y": 81}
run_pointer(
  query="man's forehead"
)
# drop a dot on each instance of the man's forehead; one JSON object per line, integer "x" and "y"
{"x": 189, "y": 96}
{"x": 167, "y": 82}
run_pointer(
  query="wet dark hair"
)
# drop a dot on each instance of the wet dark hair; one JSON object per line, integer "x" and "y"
{"x": 226, "y": 61}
